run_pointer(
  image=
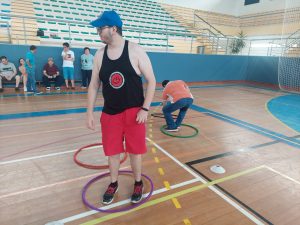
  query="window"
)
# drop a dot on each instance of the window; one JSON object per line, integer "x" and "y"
{"x": 249, "y": 2}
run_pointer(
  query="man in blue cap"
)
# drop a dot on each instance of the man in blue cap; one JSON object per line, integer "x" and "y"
{"x": 119, "y": 67}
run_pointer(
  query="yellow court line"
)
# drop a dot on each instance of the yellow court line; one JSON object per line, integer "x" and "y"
{"x": 150, "y": 124}
{"x": 187, "y": 222}
{"x": 174, "y": 195}
{"x": 167, "y": 185}
{"x": 161, "y": 171}
{"x": 39, "y": 132}
{"x": 176, "y": 203}
{"x": 153, "y": 150}
{"x": 156, "y": 159}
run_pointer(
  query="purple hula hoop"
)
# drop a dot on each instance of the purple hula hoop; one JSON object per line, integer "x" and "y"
{"x": 85, "y": 188}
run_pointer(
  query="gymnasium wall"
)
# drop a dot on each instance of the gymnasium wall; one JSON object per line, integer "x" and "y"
{"x": 172, "y": 66}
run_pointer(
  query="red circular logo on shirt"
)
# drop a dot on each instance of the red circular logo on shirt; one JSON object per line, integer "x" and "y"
{"x": 116, "y": 80}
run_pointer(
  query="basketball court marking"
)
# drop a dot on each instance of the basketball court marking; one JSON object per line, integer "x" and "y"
{"x": 212, "y": 188}
{"x": 35, "y": 122}
{"x": 42, "y": 156}
{"x": 283, "y": 175}
{"x": 175, "y": 195}
{"x": 255, "y": 128}
{"x": 120, "y": 203}
{"x": 39, "y": 132}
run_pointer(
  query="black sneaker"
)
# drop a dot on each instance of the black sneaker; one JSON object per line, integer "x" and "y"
{"x": 108, "y": 196}
{"x": 137, "y": 192}
{"x": 1, "y": 89}
{"x": 17, "y": 89}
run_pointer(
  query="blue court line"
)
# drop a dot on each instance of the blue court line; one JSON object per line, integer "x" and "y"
{"x": 53, "y": 112}
{"x": 159, "y": 89}
{"x": 268, "y": 89}
{"x": 45, "y": 113}
{"x": 43, "y": 94}
{"x": 206, "y": 86}
{"x": 85, "y": 92}
{"x": 271, "y": 134}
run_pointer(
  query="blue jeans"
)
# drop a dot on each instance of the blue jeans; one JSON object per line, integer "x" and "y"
{"x": 31, "y": 82}
{"x": 183, "y": 105}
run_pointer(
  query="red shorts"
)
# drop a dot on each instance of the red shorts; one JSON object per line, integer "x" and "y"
{"x": 119, "y": 126}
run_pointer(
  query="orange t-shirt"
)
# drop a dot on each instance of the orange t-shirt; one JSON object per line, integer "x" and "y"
{"x": 176, "y": 90}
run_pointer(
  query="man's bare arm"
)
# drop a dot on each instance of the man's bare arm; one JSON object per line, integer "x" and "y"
{"x": 145, "y": 67}
{"x": 93, "y": 89}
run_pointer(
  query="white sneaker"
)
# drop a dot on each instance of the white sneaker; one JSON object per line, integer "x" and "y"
{"x": 25, "y": 89}
{"x": 57, "y": 88}
{"x": 48, "y": 88}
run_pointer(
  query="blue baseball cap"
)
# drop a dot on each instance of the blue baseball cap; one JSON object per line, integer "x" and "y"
{"x": 107, "y": 18}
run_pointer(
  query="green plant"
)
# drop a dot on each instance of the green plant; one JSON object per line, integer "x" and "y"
{"x": 238, "y": 43}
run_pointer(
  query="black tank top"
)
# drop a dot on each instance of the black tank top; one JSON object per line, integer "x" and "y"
{"x": 122, "y": 87}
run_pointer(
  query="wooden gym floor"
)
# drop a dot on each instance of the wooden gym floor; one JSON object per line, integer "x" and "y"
{"x": 41, "y": 184}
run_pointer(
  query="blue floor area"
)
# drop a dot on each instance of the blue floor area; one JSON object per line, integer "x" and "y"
{"x": 287, "y": 109}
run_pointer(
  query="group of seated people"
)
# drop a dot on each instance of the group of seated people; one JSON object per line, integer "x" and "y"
{"x": 9, "y": 72}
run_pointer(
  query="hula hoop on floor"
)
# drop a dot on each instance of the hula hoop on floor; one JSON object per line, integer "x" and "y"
{"x": 162, "y": 129}
{"x": 85, "y": 188}
{"x": 90, "y": 166}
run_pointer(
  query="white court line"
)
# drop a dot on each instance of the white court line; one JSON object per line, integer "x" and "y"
{"x": 196, "y": 179}
{"x": 283, "y": 175}
{"x": 214, "y": 189}
{"x": 91, "y": 212}
{"x": 47, "y": 186}
{"x": 39, "y": 132}
{"x": 253, "y": 128}
{"x": 43, "y": 156}
{"x": 35, "y": 122}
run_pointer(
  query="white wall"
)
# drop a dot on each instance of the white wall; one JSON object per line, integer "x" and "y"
{"x": 235, "y": 7}
{"x": 219, "y": 6}
{"x": 265, "y": 6}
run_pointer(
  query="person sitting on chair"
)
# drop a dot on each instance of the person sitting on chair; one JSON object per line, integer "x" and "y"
{"x": 51, "y": 73}
{"x": 178, "y": 95}
{"x": 8, "y": 72}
